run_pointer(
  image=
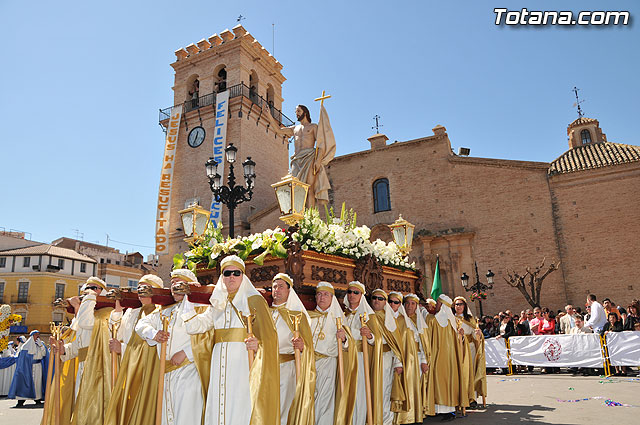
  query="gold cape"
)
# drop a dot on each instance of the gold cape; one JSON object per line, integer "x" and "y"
{"x": 67, "y": 386}
{"x": 424, "y": 378}
{"x": 444, "y": 376}
{"x": 202, "y": 347}
{"x": 95, "y": 384}
{"x": 302, "y": 410}
{"x": 479, "y": 363}
{"x": 395, "y": 341}
{"x": 134, "y": 397}
{"x": 411, "y": 374}
{"x": 264, "y": 376}
{"x": 345, "y": 402}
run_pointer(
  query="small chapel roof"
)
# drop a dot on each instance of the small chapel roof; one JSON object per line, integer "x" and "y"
{"x": 582, "y": 120}
{"x": 594, "y": 155}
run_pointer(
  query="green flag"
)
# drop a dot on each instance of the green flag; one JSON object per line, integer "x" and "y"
{"x": 436, "y": 288}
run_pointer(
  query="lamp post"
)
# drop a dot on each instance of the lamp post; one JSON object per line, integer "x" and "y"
{"x": 402, "y": 234}
{"x": 231, "y": 195}
{"x": 478, "y": 287}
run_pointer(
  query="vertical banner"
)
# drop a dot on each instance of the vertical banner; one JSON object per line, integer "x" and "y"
{"x": 166, "y": 181}
{"x": 219, "y": 143}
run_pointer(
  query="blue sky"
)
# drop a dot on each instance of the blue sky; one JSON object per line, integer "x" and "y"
{"x": 82, "y": 83}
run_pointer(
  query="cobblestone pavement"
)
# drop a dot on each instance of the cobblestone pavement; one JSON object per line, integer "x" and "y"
{"x": 523, "y": 399}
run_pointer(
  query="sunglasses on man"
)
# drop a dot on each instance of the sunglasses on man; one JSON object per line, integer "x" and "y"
{"x": 228, "y": 273}
{"x": 394, "y": 301}
{"x": 375, "y": 297}
{"x": 94, "y": 288}
{"x": 353, "y": 291}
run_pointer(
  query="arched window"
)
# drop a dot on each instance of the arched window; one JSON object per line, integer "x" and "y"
{"x": 253, "y": 87}
{"x": 220, "y": 79}
{"x": 381, "y": 200}
{"x": 586, "y": 136}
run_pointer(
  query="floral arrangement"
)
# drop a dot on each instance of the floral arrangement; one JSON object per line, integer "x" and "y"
{"x": 341, "y": 236}
{"x": 6, "y": 321}
{"x": 338, "y": 235}
{"x": 478, "y": 296}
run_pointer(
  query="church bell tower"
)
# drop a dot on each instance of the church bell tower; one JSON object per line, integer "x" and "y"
{"x": 236, "y": 63}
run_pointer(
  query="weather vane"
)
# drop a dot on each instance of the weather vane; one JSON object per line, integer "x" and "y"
{"x": 578, "y": 102}
{"x": 378, "y": 125}
{"x": 240, "y": 18}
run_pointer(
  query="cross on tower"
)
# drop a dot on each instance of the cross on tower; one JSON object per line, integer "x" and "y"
{"x": 578, "y": 102}
{"x": 378, "y": 125}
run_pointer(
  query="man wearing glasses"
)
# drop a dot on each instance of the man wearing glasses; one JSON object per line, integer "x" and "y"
{"x": 392, "y": 353}
{"x": 296, "y": 392}
{"x": 357, "y": 306}
{"x": 239, "y": 394}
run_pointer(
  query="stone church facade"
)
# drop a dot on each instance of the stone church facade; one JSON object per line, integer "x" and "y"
{"x": 582, "y": 209}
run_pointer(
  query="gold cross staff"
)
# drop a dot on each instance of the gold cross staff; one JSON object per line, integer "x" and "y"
{"x": 322, "y": 98}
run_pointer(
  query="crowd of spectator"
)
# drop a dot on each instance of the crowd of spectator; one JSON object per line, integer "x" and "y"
{"x": 598, "y": 318}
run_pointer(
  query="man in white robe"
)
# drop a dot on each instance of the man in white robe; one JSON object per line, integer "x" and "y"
{"x": 35, "y": 348}
{"x": 237, "y": 394}
{"x": 356, "y": 305}
{"x": 182, "y": 403}
{"x": 325, "y": 335}
{"x": 6, "y": 374}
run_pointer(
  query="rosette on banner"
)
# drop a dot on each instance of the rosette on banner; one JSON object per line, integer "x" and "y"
{"x": 495, "y": 353}
{"x": 624, "y": 348}
{"x": 582, "y": 350}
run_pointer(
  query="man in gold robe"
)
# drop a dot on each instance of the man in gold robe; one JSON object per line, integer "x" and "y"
{"x": 329, "y": 336}
{"x": 239, "y": 394}
{"x": 296, "y": 392}
{"x": 358, "y": 309}
{"x": 414, "y": 361}
{"x": 412, "y": 309}
{"x": 182, "y": 401}
{"x": 444, "y": 377}
{"x": 392, "y": 390}
{"x": 474, "y": 370}
{"x": 94, "y": 389}
{"x": 133, "y": 401}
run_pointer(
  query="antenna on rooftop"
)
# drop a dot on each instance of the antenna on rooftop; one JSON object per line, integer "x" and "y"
{"x": 78, "y": 234}
{"x": 578, "y": 102}
{"x": 378, "y": 125}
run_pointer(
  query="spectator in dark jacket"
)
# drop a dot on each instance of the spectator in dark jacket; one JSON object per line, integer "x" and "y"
{"x": 506, "y": 329}
{"x": 613, "y": 324}
{"x": 633, "y": 316}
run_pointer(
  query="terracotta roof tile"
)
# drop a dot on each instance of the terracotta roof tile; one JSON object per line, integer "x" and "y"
{"x": 47, "y": 249}
{"x": 594, "y": 155}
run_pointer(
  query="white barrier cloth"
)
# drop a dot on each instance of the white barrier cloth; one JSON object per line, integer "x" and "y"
{"x": 582, "y": 350}
{"x": 495, "y": 352}
{"x": 624, "y": 348}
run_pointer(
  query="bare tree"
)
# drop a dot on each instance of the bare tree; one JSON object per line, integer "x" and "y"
{"x": 530, "y": 283}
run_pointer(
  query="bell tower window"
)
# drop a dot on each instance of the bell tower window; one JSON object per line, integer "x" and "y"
{"x": 221, "y": 80}
{"x": 585, "y": 136}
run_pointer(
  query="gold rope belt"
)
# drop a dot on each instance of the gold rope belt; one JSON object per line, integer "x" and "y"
{"x": 170, "y": 367}
{"x": 286, "y": 358}
{"x": 229, "y": 335}
{"x": 320, "y": 356}
{"x": 82, "y": 354}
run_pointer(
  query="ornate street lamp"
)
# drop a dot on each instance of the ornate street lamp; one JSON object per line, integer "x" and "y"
{"x": 402, "y": 234}
{"x": 194, "y": 222}
{"x": 231, "y": 195}
{"x": 478, "y": 287}
{"x": 292, "y": 196}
